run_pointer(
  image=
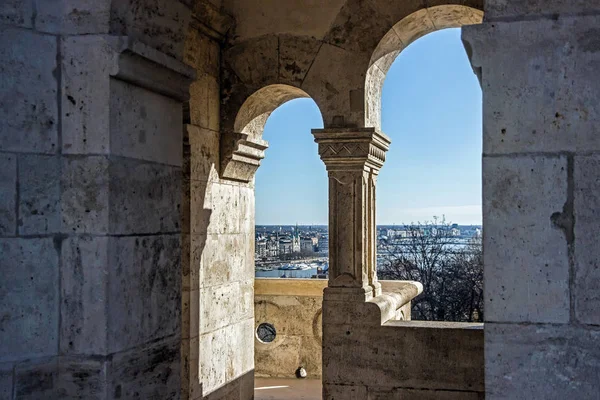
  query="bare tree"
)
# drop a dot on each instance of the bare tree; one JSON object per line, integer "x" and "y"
{"x": 451, "y": 272}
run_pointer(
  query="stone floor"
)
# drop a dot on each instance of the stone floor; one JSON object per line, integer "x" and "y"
{"x": 287, "y": 389}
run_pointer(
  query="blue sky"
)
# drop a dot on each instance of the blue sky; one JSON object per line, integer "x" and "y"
{"x": 432, "y": 112}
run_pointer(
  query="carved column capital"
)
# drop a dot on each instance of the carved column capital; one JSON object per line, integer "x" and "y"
{"x": 352, "y": 149}
{"x": 353, "y": 158}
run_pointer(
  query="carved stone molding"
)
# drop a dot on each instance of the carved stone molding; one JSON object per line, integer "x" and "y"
{"x": 146, "y": 67}
{"x": 241, "y": 156}
{"x": 352, "y": 148}
{"x": 353, "y": 158}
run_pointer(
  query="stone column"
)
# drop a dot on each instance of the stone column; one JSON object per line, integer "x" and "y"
{"x": 353, "y": 158}
{"x": 538, "y": 67}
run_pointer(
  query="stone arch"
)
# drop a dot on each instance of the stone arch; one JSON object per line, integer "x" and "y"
{"x": 243, "y": 148}
{"x": 400, "y": 36}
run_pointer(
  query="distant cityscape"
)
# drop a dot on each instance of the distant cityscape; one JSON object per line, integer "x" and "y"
{"x": 302, "y": 251}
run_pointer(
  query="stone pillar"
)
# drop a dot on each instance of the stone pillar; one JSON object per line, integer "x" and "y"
{"x": 90, "y": 198}
{"x": 538, "y": 66}
{"x": 353, "y": 158}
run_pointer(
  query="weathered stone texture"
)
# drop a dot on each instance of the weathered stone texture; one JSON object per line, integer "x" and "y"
{"x": 553, "y": 76}
{"x": 39, "y": 195}
{"x": 6, "y": 381}
{"x": 144, "y": 125}
{"x": 161, "y": 24}
{"x": 36, "y": 380}
{"x": 520, "y": 198}
{"x": 28, "y": 89}
{"x": 460, "y": 370}
{"x": 136, "y": 187}
{"x": 17, "y": 12}
{"x": 144, "y": 290}
{"x": 29, "y": 298}
{"x": 85, "y": 195}
{"x": 8, "y": 194}
{"x": 204, "y": 157}
{"x": 227, "y": 354}
{"x": 529, "y": 361}
{"x": 587, "y": 257}
{"x": 84, "y": 283}
{"x": 204, "y": 102}
{"x": 83, "y": 378}
{"x": 88, "y": 61}
{"x": 159, "y": 363}
{"x": 72, "y": 16}
{"x": 518, "y": 9}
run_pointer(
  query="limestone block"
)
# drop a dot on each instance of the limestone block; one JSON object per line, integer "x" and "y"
{"x": 541, "y": 361}
{"x": 6, "y": 381}
{"x": 454, "y": 15}
{"x": 220, "y": 306}
{"x": 406, "y": 394}
{"x": 202, "y": 52}
{"x": 29, "y": 113}
{"x": 161, "y": 24}
{"x": 84, "y": 281}
{"x": 526, "y": 256}
{"x": 587, "y": 254}
{"x": 144, "y": 125}
{"x": 256, "y": 61}
{"x": 200, "y": 207}
{"x": 72, "y": 16}
{"x": 39, "y": 194}
{"x": 36, "y": 379}
{"x": 29, "y": 298}
{"x": 159, "y": 364}
{"x": 225, "y": 204}
{"x": 244, "y": 345}
{"x": 516, "y": 9}
{"x": 205, "y": 102}
{"x": 336, "y": 83}
{"x": 17, "y": 12}
{"x": 138, "y": 186}
{"x": 349, "y": 392}
{"x": 247, "y": 210}
{"x": 296, "y": 54}
{"x": 8, "y": 194}
{"x": 81, "y": 378}
{"x": 85, "y": 103}
{"x": 247, "y": 299}
{"x": 204, "y": 153}
{"x": 222, "y": 260}
{"x": 197, "y": 244}
{"x": 213, "y": 360}
{"x": 144, "y": 290}
{"x": 190, "y": 309}
{"x": 414, "y": 26}
{"x": 85, "y": 194}
{"x": 552, "y": 83}
{"x": 379, "y": 355}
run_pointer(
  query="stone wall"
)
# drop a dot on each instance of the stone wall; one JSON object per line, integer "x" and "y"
{"x": 218, "y": 236}
{"x": 294, "y": 308}
{"x": 90, "y": 201}
{"x": 538, "y": 65}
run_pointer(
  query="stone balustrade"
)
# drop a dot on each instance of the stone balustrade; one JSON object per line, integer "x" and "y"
{"x": 398, "y": 358}
{"x": 294, "y": 308}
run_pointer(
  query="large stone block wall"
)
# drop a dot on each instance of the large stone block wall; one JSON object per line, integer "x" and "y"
{"x": 538, "y": 65}
{"x": 90, "y": 203}
{"x": 218, "y": 238}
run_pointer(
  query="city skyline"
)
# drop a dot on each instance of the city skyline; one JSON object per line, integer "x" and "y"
{"x": 431, "y": 109}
